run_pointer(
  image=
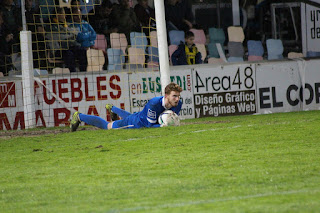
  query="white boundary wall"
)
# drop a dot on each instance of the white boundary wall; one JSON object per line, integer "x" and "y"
{"x": 208, "y": 90}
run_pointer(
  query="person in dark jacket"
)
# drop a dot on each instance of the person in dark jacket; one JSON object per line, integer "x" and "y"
{"x": 187, "y": 53}
{"x": 145, "y": 14}
{"x": 178, "y": 15}
{"x": 6, "y": 41}
{"x": 125, "y": 18}
{"x": 62, "y": 41}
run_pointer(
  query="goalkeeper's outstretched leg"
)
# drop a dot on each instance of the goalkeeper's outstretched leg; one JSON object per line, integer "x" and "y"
{"x": 148, "y": 117}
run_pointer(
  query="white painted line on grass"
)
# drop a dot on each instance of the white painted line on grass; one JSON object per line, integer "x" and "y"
{"x": 190, "y": 203}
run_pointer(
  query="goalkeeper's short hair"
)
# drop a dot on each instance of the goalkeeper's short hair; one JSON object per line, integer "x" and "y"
{"x": 172, "y": 87}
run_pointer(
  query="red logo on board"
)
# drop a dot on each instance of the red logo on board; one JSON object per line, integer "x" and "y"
{"x": 7, "y": 94}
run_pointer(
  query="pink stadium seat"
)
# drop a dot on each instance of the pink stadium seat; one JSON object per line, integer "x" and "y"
{"x": 215, "y": 61}
{"x": 136, "y": 56}
{"x": 101, "y": 43}
{"x": 153, "y": 65}
{"x": 255, "y": 58}
{"x": 119, "y": 41}
{"x": 153, "y": 39}
{"x": 199, "y": 36}
{"x": 172, "y": 48}
{"x": 235, "y": 34}
{"x": 202, "y": 49}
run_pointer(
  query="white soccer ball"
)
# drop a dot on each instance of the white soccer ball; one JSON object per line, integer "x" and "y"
{"x": 169, "y": 118}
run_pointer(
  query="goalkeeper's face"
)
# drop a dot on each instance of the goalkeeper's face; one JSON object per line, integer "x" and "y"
{"x": 172, "y": 99}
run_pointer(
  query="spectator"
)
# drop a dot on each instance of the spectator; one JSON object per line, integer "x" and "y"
{"x": 125, "y": 18}
{"x": 144, "y": 13}
{"x": 6, "y": 40}
{"x": 86, "y": 36}
{"x": 74, "y": 4}
{"x": 38, "y": 34}
{"x": 62, "y": 41}
{"x": 12, "y": 19}
{"x": 101, "y": 20}
{"x": 178, "y": 15}
{"x": 187, "y": 53}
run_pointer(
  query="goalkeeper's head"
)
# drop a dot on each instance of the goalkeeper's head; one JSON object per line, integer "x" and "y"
{"x": 172, "y": 95}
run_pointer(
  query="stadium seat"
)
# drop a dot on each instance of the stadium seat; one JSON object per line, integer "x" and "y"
{"x": 293, "y": 55}
{"x": 119, "y": 41}
{"x": 37, "y": 72}
{"x": 235, "y": 59}
{"x": 235, "y": 49}
{"x": 153, "y": 54}
{"x": 213, "y": 51}
{"x": 275, "y": 49}
{"x": 116, "y": 59}
{"x": 101, "y": 43}
{"x": 255, "y": 48}
{"x": 153, "y": 39}
{"x": 176, "y": 36}
{"x": 199, "y": 36}
{"x": 255, "y": 58}
{"x": 215, "y": 61}
{"x": 136, "y": 58}
{"x": 202, "y": 49}
{"x": 172, "y": 48}
{"x": 235, "y": 34}
{"x": 59, "y": 70}
{"x": 216, "y": 35}
{"x": 95, "y": 59}
{"x": 139, "y": 40}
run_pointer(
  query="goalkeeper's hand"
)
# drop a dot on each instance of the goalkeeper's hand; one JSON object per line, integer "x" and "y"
{"x": 163, "y": 125}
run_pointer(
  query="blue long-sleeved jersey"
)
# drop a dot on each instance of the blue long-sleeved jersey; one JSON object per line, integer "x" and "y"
{"x": 148, "y": 117}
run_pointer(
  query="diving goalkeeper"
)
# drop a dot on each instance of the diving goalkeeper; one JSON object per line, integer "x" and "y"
{"x": 148, "y": 117}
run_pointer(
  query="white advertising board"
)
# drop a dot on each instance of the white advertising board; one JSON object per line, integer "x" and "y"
{"x": 86, "y": 93}
{"x": 227, "y": 90}
{"x": 276, "y": 87}
{"x": 310, "y": 28}
{"x": 146, "y": 85}
{"x": 311, "y": 90}
{"x": 232, "y": 89}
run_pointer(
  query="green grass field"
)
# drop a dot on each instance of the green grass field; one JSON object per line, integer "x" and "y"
{"x": 261, "y": 163}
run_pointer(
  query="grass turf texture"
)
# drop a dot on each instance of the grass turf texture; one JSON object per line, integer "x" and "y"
{"x": 263, "y": 163}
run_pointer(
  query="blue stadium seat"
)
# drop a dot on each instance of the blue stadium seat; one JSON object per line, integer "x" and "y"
{"x": 216, "y": 35}
{"x": 153, "y": 54}
{"x": 275, "y": 49}
{"x": 176, "y": 36}
{"x": 139, "y": 40}
{"x": 235, "y": 59}
{"x": 255, "y": 48}
{"x": 213, "y": 51}
{"x": 116, "y": 59}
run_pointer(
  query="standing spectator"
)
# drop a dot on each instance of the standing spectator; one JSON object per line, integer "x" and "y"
{"x": 144, "y": 13}
{"x": 187, "y": 53}
{"x": 101, "y": 20}
{"x": 62, "y": 41}
{"x": 12, "y": 18}
{"x": 125, "y": 18}
{"x": 178, "y": 15}
{"x": 86, "y": 36}
{"x": 6, "y": 40}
